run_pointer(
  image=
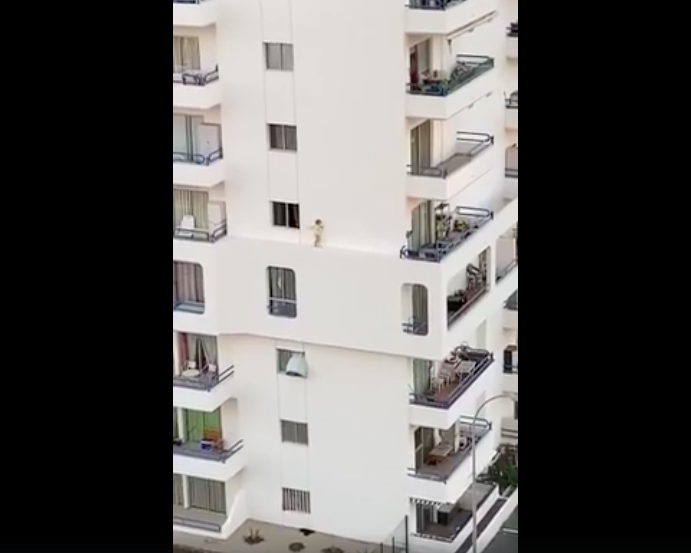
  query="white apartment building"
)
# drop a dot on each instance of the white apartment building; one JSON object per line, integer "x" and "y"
{"x": 345, "y": 265}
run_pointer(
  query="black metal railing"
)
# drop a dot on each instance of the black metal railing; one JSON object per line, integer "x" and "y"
{"x": 506, "y": 271}
{"x": 441, "y": 84}
{"x": 185, "y": 522}
{"x": 434, "y": 5}
{"x": 483, "y": 359}
{"x": 469, "y": 146}
{"x": 197, "y": 159}
{"x": 204, "y": 452}
{"x": 512, "y": 31}
{"x": 190, "y": 307}
{"x": 211, "y": 235}
{"x": 196, "y": 78}
{"x": 467, "y": 221}
{"x": 416, "y": 328}
{"x": 205, "y": 382}
{"x": 457, "y": 308}
{"x": 512, "y": 303}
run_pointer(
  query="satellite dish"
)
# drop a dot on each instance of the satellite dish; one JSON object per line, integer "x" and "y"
{"x": 297, "y": 366}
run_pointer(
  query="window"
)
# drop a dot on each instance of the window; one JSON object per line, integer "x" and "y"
{"x": 283, "y": 138}
{"x": 295, "y": 433}
{"x": 297, "y": 501}
{"x": 284, "y": 358}
{"x": 286, "y": 215}
{"x": 279, "y": 57}
{"x": 282, "y": 293}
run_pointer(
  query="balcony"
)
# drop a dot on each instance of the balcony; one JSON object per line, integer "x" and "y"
{"x": 196, "y": 90}
{"x": 448, "y": 179}
{"x": 208, "y": 459}
{"x": 197, "y": 520}
{"x": 446, "y": 526}
{"x": 512, "y": 112}
{"x": 440, "y": 95}
{"x": 511, "y": 313}
{"x": 194, "y": 13}
{"x": 512, "y": 42}
{"x": 203, "y": 390}
{"x": 203, "y": 229}
{"x": 198, "y": 170}
{"x": 442, "y": 400}
{"x": 463, "y": 300}
{"x": 510, "y": 381}
{"x": 443, "y": 17}
{"x": 512, "y": 166}
{"x": 188, "y": 288}
{"x": 444, "y": 471}
{"x": 455, "y": 228}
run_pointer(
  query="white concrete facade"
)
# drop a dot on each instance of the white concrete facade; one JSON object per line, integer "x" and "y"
{"x": 344, "y": 249}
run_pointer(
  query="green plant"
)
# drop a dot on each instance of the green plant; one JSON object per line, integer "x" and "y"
{"x": 504, "y": 472}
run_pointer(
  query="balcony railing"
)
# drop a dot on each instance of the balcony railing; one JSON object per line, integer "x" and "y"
{"x": 512, "y": 163}
{"x": 512, "y": 101}
{"x": 197, "y": 159}
{"x": 186, "y": 522}
{"x": 441, "y": 84}
{"x": 196, "y": 78}
{"x": 416, "y": 328}
{"x": 458, "y": 520}
{"x": 205, "y": 451}
{"x": 512, "y": 304}
{"x": 468, "y": 147}
{"x": 464, "y": 223}
{"x": 510, "y": 369}
{"x": 212, "y": 235}
{"x": 186, "y": 306}
{"x": 512, "y": 31}
{"x": 434, "y": 5}
{"x": 459, "y": 304}
{"x": 506, "y": 271}
{"x": 457, "y": 375}
{"x": 441, "y": 469}
{"x": 205, "y": 381}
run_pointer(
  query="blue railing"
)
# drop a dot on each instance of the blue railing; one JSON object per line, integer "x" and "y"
{"x": 200, "y": 451}
{"x": 484, "y": 360}
{"x": 434, "y": 5}
{"x": 197, "y": 159}
{"x": 193, "y": 308}
{"x": 196, "y": 78}
{"x": 205, "y": 382}
{"x": 469, "y": 145}
{"x": 199, "y": 235}
{"x": 467, "y": 221}
{"x": 440, "y": 84}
